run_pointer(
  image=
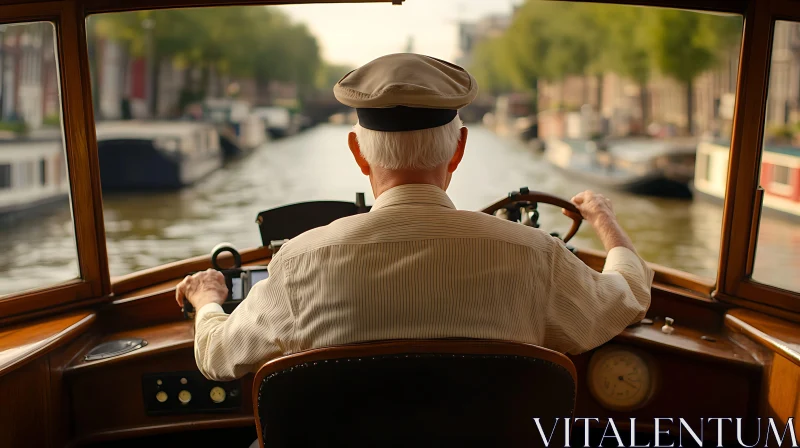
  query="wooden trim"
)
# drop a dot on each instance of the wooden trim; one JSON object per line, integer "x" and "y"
{"x": 754, "y": 228}
{"x": 786, "y": 10}
{"x": 779, "y": 346}
{"x": 81, "y": 157}
{"x": 744, "y": 165}
{"x": 178, "y": 269}
{"x": 22, "y": 344}
{"x": 745, "y": 141}
{"x": 743, "y": 286}
{"x": 40, "y": 299}
{"x": 50, "y": 311}
{"x": 160, "y": 339}
{"x": 461, "y": 346}
{"x": 233, "y": 421}
{"x": 768, "y": 310}
{"x": 104, "y": 6}
{"x": 731, "y": 6}
{"x": 778, "y": 298}
{"x": 84, "y": 165}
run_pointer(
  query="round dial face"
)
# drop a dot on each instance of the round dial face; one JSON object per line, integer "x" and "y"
{"x": 620, "y": 379}
{"x": 217, "y": 394}
{"x": 184, "y": 396}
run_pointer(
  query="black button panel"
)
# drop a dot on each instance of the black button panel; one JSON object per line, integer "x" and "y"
{"x": 187, "y": 393}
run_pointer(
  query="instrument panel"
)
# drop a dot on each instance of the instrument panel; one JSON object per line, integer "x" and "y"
{"x": 188, "y": 392}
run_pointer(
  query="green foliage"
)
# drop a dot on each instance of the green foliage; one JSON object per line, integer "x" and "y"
{"x": 52, "y": 120}
{"x": 783, "y": 132}
{"x": 242, "y": 41}
{"x": 17, "y": 127}
{"x": 685, "y": 43}
{"x": 329, "y": 75}
{"x": 628, "y": 53}
{"x": 552, "y": 40}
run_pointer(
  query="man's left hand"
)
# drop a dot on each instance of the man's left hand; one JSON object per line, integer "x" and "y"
{"x": 202, "y": 288}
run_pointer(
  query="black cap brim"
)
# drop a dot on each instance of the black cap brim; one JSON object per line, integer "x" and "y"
{"x": 402, "y": 118}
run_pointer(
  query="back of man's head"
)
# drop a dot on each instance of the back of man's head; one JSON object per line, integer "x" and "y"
{"x": 407, "y": 105}
{"x": 406, "y": 150}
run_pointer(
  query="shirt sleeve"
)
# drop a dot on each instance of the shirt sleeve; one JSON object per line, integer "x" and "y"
{"x": 588, "y": 308}
{"x": 261, "y": 328}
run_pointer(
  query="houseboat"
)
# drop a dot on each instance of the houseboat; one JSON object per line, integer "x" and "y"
{"x": 33, "y": 178}
{"x": 156, "y": 155}
{"x": 240, "y": 130}
{"x": 780, "y": 177}
{"x": 513, "y": 117}
{"x": 278, "y": 121}
{"x": 641, "y": 166}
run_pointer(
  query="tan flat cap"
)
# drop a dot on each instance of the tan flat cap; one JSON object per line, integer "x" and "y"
{"x": 406, "y": 91}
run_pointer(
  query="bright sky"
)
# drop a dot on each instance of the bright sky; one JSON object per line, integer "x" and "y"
{"x": 354, "y": 34}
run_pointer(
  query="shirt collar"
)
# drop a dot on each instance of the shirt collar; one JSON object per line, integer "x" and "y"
{"x": 418, "y": 194}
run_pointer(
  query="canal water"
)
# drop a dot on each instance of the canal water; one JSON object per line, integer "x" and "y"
{"x": 147, "y": 230}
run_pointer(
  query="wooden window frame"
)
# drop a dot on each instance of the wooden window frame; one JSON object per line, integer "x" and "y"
{"x": 742, "y": 213}
{"x": 81, "y": 152}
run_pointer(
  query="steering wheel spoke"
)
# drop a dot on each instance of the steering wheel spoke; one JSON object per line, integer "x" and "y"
{"x": 522, "y": 206}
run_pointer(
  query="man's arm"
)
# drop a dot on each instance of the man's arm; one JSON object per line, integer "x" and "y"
{"x": 588, "y": 308}
{"x": 261, "y": 328}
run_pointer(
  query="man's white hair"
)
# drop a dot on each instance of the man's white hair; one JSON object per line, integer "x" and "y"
{"x": 423, "y": 149}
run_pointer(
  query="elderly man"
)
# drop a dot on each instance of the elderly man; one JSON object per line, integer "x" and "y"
{"x": 414, "y": 266}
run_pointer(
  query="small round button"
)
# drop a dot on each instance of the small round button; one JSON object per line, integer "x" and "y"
{"x": 159, "y": 382}
{"x": 184, "y": 381}
{"x": 184, "y": 396}
{"x": 161, "y": 396}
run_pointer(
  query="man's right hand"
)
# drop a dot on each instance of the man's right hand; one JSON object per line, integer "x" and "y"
{"x": 202, "y": 288}
{"x": 594, "y": 207}
{"x": 597, "y": 210}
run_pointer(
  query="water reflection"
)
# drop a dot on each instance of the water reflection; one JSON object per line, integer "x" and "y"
{"x": 146, "y": 230}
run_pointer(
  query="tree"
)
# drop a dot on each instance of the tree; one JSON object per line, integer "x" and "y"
{"x": 627, "y": 53}
{"x": 492, "y": 67}
{"x": 256, "y": 42}
{"x": 684, "y": 44}
{"x": 329, "y": 75}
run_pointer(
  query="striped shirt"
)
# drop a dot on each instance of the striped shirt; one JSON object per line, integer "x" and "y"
{"x": 415, "y": 267}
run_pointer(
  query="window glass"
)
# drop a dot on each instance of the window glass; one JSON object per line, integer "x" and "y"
{"x": 778, "y": 247}
{"x": 633, "y": 102}
{"x": 37, "y": 248}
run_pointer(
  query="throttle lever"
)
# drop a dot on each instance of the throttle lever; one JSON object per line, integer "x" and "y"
{"x": 221, "y": 248}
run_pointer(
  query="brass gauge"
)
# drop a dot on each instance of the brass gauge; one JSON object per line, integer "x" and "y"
{"x": 217, "y": 394}
{"x": 621, "y": 379}
{"x": 184, "y": 396}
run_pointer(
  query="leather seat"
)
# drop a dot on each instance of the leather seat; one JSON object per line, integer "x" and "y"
{"x": 415, "y": 393}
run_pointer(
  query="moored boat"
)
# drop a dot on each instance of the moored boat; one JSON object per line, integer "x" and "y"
{"x": 240, "y": 130}
{"x": 156, "y": 155}
{"x": 641, "y": 166}
{"x": 32, "y": 178}
{"x": 780, "y": 177}
{"x": 278, "y": 121}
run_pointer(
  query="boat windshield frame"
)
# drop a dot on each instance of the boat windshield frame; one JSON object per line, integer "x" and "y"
{"x": 739, "y": 229}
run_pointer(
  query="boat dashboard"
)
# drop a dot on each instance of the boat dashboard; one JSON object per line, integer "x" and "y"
{"x": 127, "y": 369}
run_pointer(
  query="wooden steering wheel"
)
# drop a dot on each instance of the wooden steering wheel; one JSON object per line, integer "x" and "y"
{"x": 526, "y": 199}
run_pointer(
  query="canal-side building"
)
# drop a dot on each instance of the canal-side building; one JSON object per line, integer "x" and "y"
{"x": 29, "y": 81}
{"x": 783, "y": 101}
{"x": 618, "y": 101}
{"x": 470, "y": 34}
